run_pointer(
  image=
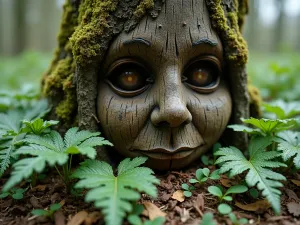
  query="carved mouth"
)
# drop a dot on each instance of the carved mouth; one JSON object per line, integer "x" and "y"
{"x": 164, "y": 154}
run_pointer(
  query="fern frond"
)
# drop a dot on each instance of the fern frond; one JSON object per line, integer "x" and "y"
{"x": 52, "y": 149}
{"x": 258, "y": 166}
{"x": 114, "y": 193}
{"x": 290, "y": 147}
{"x": 25, "y": 167}
{"x": 5, "y": 158}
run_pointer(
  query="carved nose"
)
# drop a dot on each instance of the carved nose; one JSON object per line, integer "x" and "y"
{"x": 174, "y": 114}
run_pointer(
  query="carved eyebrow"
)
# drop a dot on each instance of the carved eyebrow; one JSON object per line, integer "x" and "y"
{"x": 138, "y": 41}
{"x": 204, "y": 41}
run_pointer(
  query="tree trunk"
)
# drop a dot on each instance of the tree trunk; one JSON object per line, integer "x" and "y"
{"x": 19, "y": 26}
{"x": 279, "y": 26}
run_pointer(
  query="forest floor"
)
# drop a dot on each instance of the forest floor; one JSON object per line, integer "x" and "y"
{"x": 75, "y": 211}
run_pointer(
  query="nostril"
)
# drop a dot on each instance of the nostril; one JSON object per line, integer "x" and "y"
{"x": 163, "y": 124}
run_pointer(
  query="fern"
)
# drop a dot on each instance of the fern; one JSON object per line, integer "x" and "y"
{"x": 53, "y": 149}
{"x": 290, "y": 147}
{"x": 264, "y": 127}
{"x": 11, "y": 129}
{"x": 258, "y": 165}
{"x": 114, "y": 193}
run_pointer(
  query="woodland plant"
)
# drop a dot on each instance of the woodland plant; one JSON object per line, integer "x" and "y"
{"x": 202, "y": 175}
{"x": 114, "y": 194}
{"x": 217, "y": 191}
{"x": 51, "y": 148}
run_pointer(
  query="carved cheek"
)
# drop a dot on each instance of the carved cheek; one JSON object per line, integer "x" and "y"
{"x": 211, "y": 112}
{"x": 122, "y": 118}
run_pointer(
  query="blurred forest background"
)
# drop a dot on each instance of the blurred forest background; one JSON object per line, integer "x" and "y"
{"x": 28, "y": 30}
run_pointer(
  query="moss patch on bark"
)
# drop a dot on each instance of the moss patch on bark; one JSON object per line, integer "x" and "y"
{"x": 82, "y": 28}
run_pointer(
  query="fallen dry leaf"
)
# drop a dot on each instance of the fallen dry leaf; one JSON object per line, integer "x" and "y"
{"x": 256, "y": 206}
{"x": 294, "y": 208}
{"x": 297, "y": 182}
{"x": 153, "y": 210}
{"x": 199, "y": 204}
{"x": 292, "y": 195}
{"x": 185, "y": 215}
{"x": 59, "y": 218}
{"x": 39, "y": 188}
{"x": 92, "y": 218}
{"x": 178, "y": 195}
{"x": 226, "y": 182}
{"x": 78, "y": 218}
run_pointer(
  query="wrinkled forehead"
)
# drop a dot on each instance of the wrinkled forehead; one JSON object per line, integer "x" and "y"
{"x": 180, "y": 26}
{"x": 187, "y": 20}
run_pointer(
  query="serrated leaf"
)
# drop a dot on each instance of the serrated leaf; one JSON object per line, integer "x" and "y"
{"x": 113, "y": 194}
{"x": 282, "y": 109}
{"x": 258, "y": 166}
{"x": 37, "y": 126}
{"x": 52, "y": 149}
{"x": 245, "y": 129}
{"x": 290, "y": 147}
{"x": 269, "y": 126}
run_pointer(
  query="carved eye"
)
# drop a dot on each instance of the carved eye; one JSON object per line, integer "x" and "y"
{"x": 128, "y": 77}
{"x": 203, "y": 74}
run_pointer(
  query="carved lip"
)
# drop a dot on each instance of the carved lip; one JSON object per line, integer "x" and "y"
{"x": 163, "y": 154}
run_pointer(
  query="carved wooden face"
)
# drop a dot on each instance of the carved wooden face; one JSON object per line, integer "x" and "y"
{"x": 162, "y": 91}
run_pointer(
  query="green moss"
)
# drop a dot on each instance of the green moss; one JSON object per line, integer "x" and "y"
{"x": 255, "y": 101}
{"x": 143, "y": 7}
{"x": 93, "y": 16}
{"x": 236, "y": 50}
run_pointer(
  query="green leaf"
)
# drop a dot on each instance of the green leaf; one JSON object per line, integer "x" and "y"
{"x": 254, "y": 193}
{"x": 111, "y": 193}
{"x": 37, "y": 126}
{"x": 39, "y": 212}
{"x": 259, "y": 167}
{"x": 215, "y": 175}
{"x": 187, "y": 194}
{"x": 227, "y": 198}
{"x": 134, "y": 220}
{"x": 245, "y": 129}
{"x": 156, "y": 221}
{"x": 216, "y": 191}
{"x": 185, "y": 186}
{"x": 18, "y": 196}
{"x": 4, "y": 195}
{"x": 237, "y": 189}
{"x": 269, "y": 127}
{"x": 52, "y": 149}
{"x": 205, "y": 171}
{"x": 290, "y": 147}
{"x": 208, "y": 219}
{"x": 282, "y": 109}
{"x": 193, "y": 181}
{"x": 243, "y": 221}
{"x": 224, "y": 209}
{"x": 55, "y": 207}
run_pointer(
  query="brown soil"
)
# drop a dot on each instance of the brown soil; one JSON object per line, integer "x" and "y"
{"x": 52, "y": 190}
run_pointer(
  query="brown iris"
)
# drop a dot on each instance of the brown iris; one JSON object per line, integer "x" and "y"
{"x": 203, "y": 75}
{"x": 130, "y": 80}
{"x": 128, "y": 77}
